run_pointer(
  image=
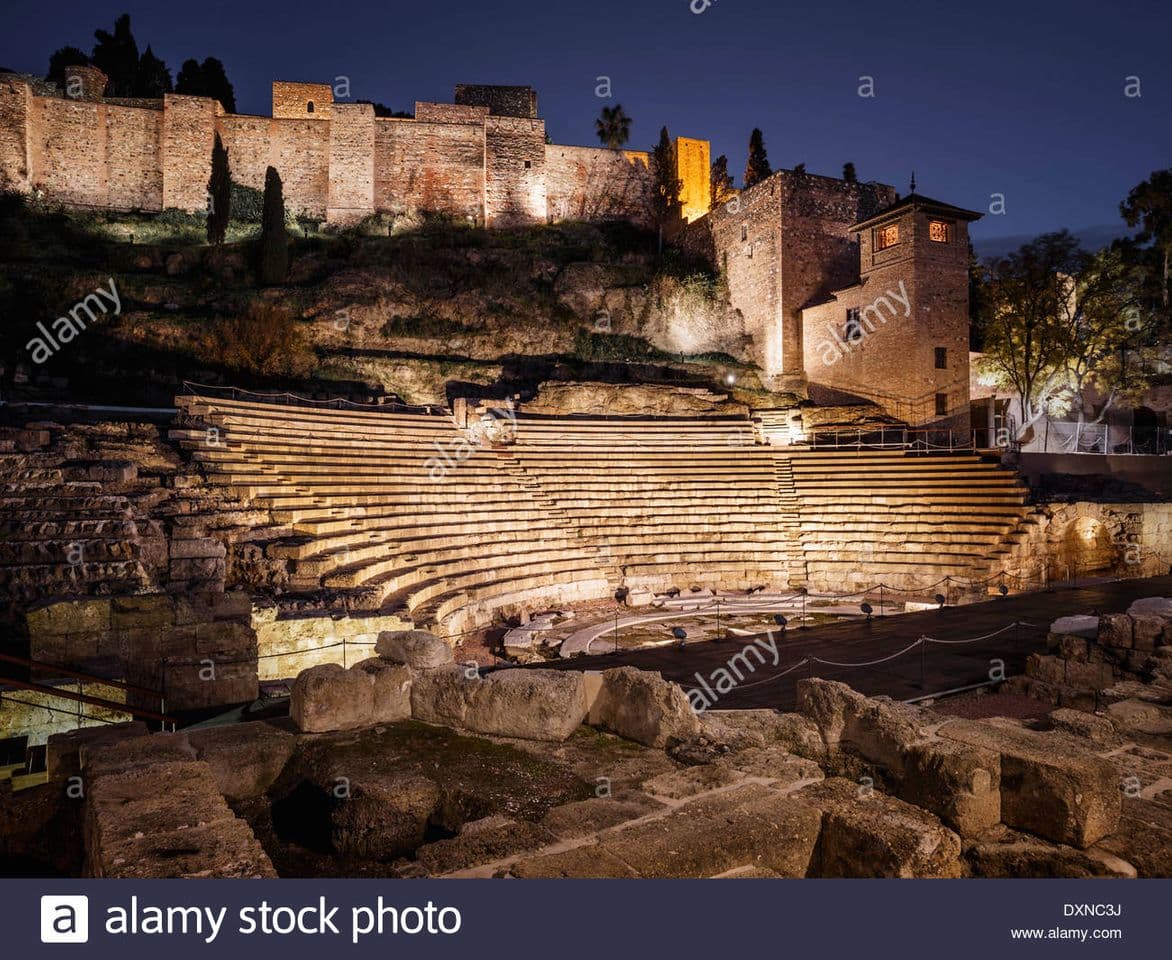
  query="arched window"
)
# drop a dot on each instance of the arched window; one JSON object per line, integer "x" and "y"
{"x": 309, "y": 107}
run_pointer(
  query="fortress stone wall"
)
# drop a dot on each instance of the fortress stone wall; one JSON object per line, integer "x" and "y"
{"x": 483, "y": 158}
{"x": 799, "y": 252}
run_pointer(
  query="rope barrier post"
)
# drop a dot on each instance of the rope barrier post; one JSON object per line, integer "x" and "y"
{"x": 344, "y": 664}
{"x": 616, "y": 630}
{"x": 881, "y": 600}
{"x": 718, "y": 618}
{"x": 923, "y": 649}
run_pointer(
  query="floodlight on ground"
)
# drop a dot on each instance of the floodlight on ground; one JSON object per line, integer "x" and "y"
{"x": 1003, "y": 590}
{"x": 867, "y": 609}
{"x": 940, "y": 599}
{"x": 679, "y": 633}
{"x": 730, "y": 379}
{"x": 780, "y": 620}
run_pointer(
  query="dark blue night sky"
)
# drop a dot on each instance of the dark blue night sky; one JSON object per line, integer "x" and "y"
{"x": 1024, "y": 98}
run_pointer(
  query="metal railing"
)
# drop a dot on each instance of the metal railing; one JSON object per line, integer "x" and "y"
{"x": 1058, "y": 436}
{"x": 891, "y": 438}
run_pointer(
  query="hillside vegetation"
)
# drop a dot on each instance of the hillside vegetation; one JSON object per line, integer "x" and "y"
{"x": 422, "y": 311}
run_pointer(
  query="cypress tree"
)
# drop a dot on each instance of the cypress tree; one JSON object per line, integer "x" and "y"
{"x": 274, "y": 250}
{"x": 219, "y": 194}
{"x": 757, "y": 168}
{"x": 721, "y": 183}
{"x": 665, "y": 195}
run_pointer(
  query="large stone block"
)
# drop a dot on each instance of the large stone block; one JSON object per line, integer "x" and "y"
{"x": 62, "y": 755}
{"x": 1152, "y": 606}
{"x": 1089, "y": 676}
{"x": 1116, "y": 630}
{"x": 391, "y": 693}
{"x": 1086, "y": 627}
{"x": 99, "y": 758}
{"x": 225, "y": 849}
{"x": 869, "y": 834}
{"x": 746, "y": 827}
{"x": 1078, "y": 723}
{"x": 330, "y": 697}
{"x": 643, "y": 707}
{"x": 878, "y": 729}
{"x": 959, "y": 783}
{"x": 1047, "y": 669}
{"x": 244, "y": 758}
{"x": 1051, "y": 784}
{"x": 211, "y": 679}
{"x": 732, "y": 730}
{"x": 70, "y": 616}
{"x": 528, "y": 704}
{"x": 1148, "y": 630}
{"x": 441, "y": 695}
{"x": 153, "y": 611}
{"x": 1020, "y": 856}
{"x": 416, "y": 648}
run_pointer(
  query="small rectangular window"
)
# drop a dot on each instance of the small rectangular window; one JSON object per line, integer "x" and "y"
{"x": 744, "y": 233}
{"x": 942, "y": 404}
{"x": 939, "y": 231}
{"x": 528, "y": 164}
{"x": 854, "y": 328}
{"x": 888, "y": 236}
{"x": 941, "y": 358}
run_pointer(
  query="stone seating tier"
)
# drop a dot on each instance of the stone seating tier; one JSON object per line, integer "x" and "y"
{"x": 448, "y": 528}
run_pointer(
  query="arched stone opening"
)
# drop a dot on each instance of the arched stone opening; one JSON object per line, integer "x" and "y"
{"x": 1085, "y": 547}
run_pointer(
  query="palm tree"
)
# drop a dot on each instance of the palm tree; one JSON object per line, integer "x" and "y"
{"x": 614, "y": 126}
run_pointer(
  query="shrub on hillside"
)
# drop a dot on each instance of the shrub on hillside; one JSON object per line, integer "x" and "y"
{"x": 264, "y": 341}
{"x": 247, "y": 203}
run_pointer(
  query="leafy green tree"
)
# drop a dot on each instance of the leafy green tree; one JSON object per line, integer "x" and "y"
{"x": 274, "y": 257}
{"x": 153, "y": 78}
{"x": 207, "y": 79}
{"x": 720, "y": 182}
{"x": 116, "y": 55}
{"x": 666, "y": 185}
{"x": 1056, "y": 327}
{"x": 382, "y": 110}
{"x": 613, "y": 126}
{"x": 757, "y": 168}
{"x": 1149, "y": 207}
{"x": 219, "y": 194}
{"x": 65, "y": 57}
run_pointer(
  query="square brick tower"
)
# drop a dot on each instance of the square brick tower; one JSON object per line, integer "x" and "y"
{"x": 900, "y": 336}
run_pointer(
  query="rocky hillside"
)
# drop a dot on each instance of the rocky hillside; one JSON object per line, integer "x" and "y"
{"x": 421, "y": 313}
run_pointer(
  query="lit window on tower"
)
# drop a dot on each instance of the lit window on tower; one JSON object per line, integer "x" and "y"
{"x": 939, "y": 231}
{"x": 888, "y": 236}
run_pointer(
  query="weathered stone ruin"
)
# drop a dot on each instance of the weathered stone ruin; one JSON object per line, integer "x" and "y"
{"x": 409, "y": 764}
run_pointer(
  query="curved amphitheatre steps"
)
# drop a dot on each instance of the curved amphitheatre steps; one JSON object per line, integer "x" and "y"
{"x": 411, "y": 516}
{"x": 905, "y": 518}
{"x": 671, "y": 500}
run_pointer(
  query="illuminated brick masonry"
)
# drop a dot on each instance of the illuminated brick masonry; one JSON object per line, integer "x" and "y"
{"x": 484, "y": 157}
{"x": 848, "y": 294}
